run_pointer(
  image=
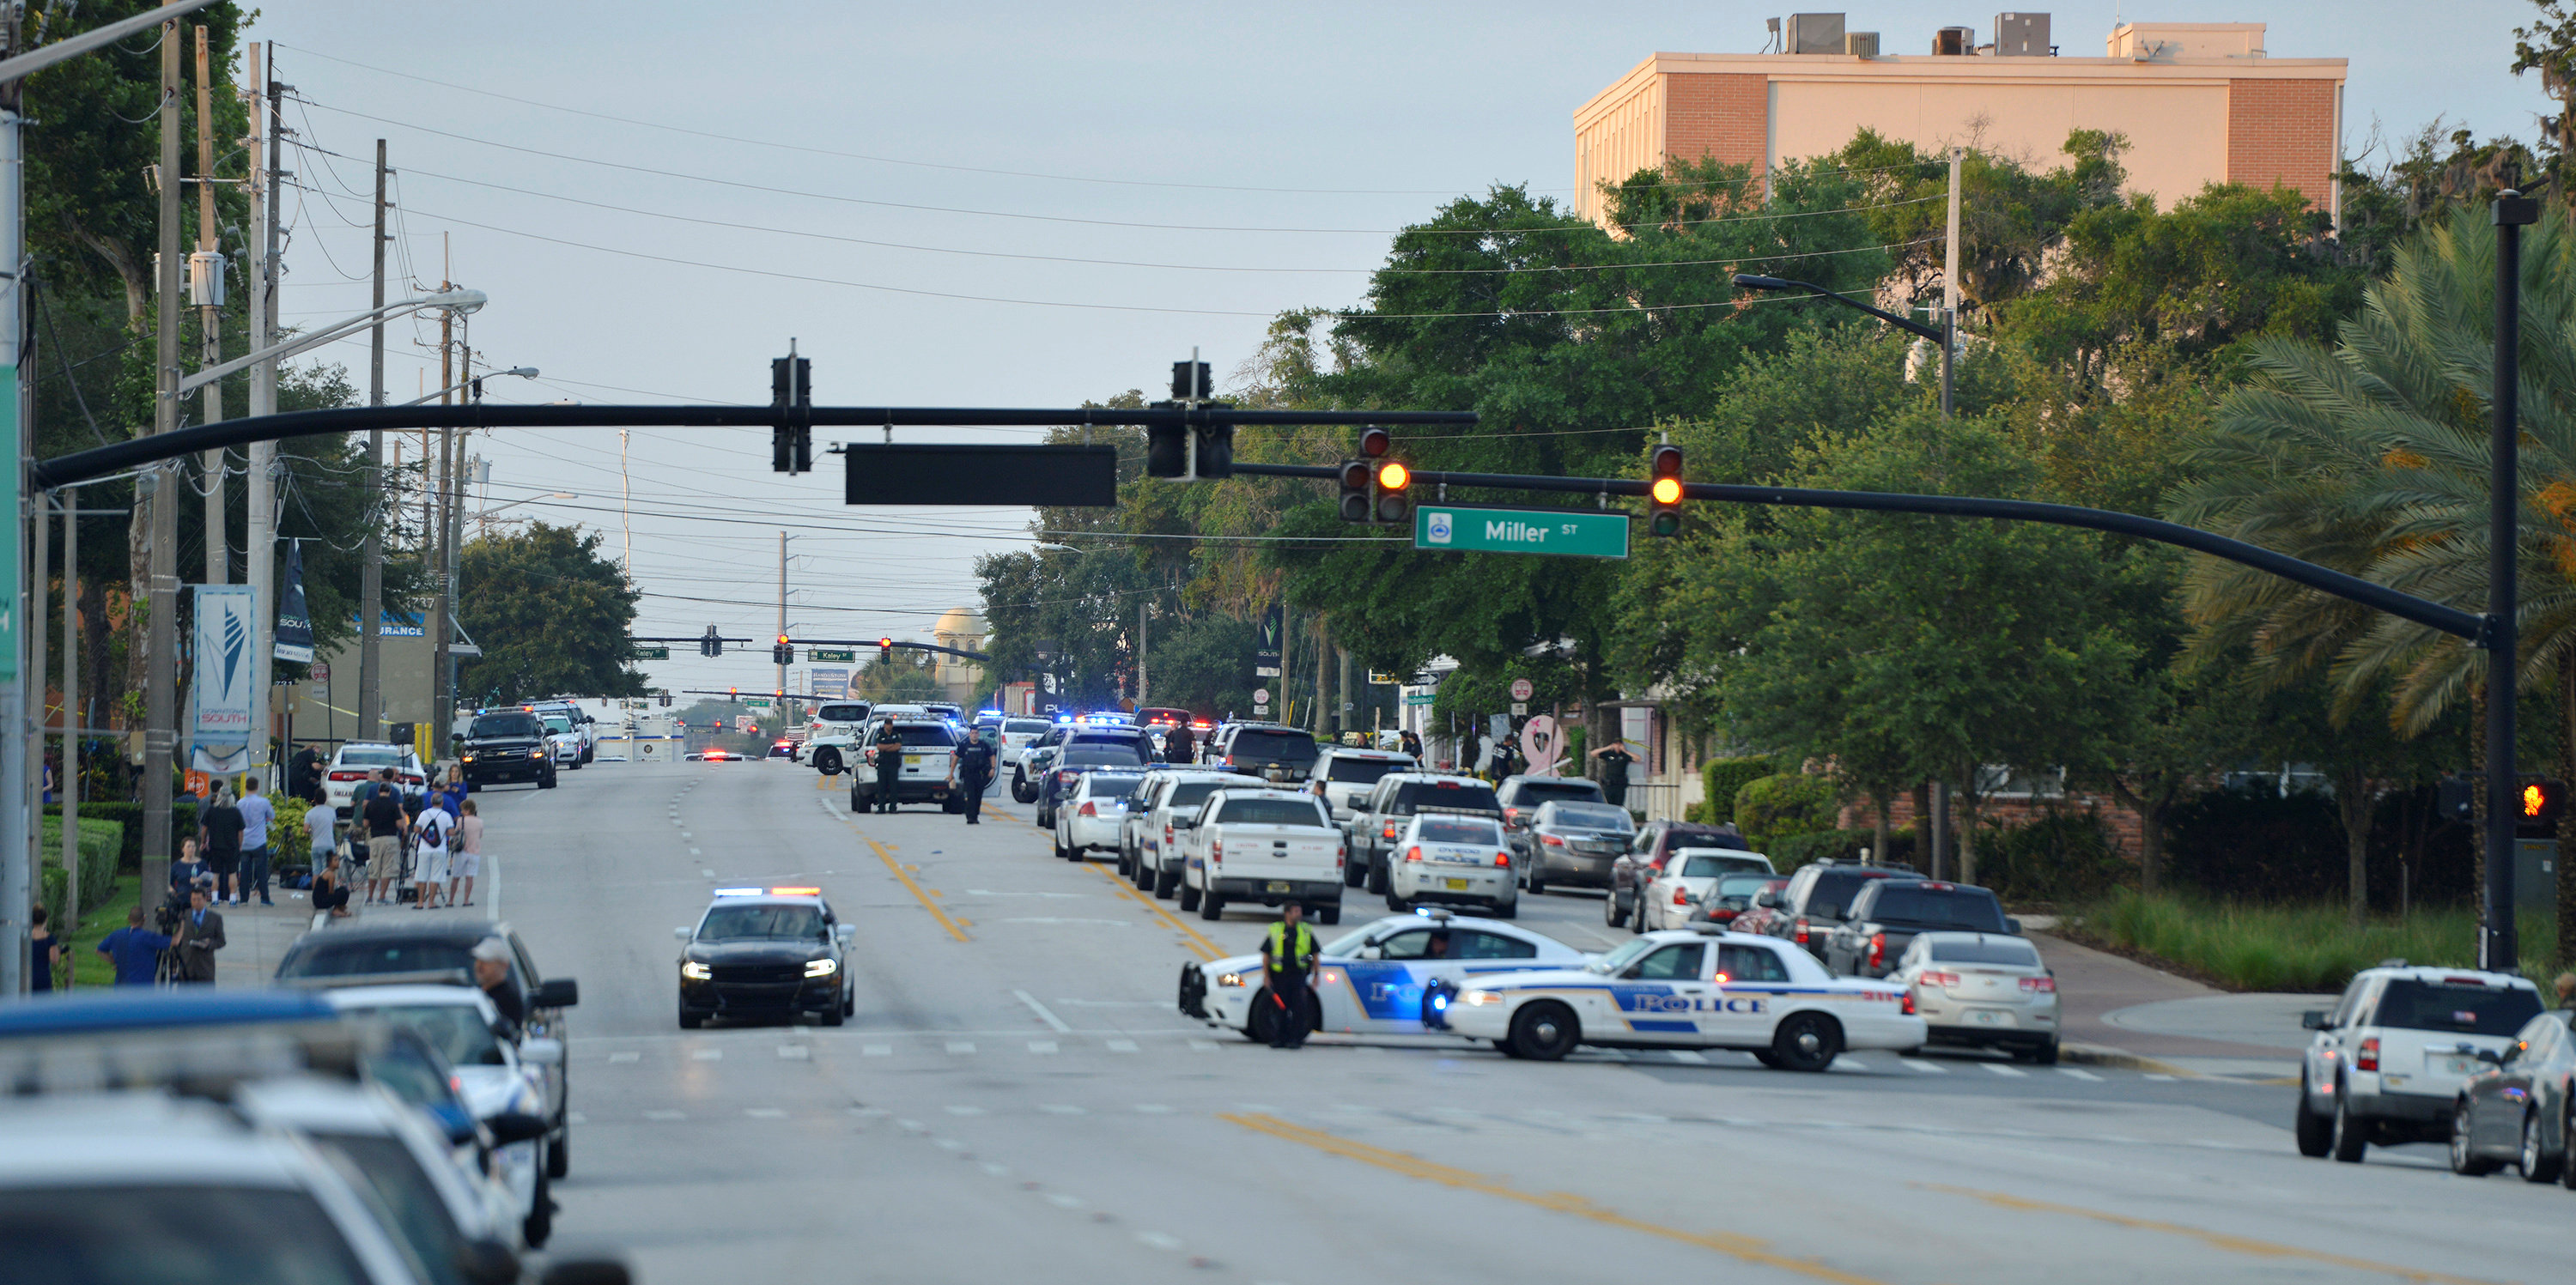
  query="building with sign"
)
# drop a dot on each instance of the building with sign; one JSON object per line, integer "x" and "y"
{"x": 964, "y": 629}
{"x": 328, "y": 710}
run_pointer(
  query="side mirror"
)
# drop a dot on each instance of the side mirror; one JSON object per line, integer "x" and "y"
{"x": 487, "y": 1262}
{"x": 560, "y": 992}
{"x": 587, "y": 1271}
{"x": 844, "y": 932}
{"x": 542, "y": 1050}
{"x": 1767, "y": 899}
{"x": 1366, "y": 952}
{"x": 682, "y": 934}
{"x": 2012, "y": 925}
{"x": 516, "y": 1126}
{"x": 2312, "y": 1021}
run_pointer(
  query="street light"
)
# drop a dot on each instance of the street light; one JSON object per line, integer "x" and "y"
{"x": 461, "y": 301}
{"x": 485, "y": 517}
{"x": 1940, "y": 334}
{"x": 476, "y": 384}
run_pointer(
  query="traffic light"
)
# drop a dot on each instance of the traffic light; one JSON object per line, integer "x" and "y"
{"x": 885, "y": 651}
{"x": 733, "y": 693}
{"x": 1216, "y": 447}
{"x": 1394, "y": 504}
{"x": 1664, "y": 491}
{"x": 711, "y": 645}
{"x": 1167, "y": 447}
{"x": 2542, "y": 801}
{"x": 1190, "y": 381}
{"x": 791, "y": 387}
{"x": 782, "y": 654}
{"x": 666, "y": 700}
{"x": 1359, "y": 478}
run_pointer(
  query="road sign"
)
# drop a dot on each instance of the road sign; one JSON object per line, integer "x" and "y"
{"x": 1519, "y": 708}
{"x": 755, "y": 702}
{"x": 1261, "y": 696}
{"x": 656, "y": 652}
{"x": 1566, "y": 532}
{"x": 746, "y": 723}
{"x": 822, "y": 655}
{"x": 1421, "y": 698}
{"x": 1383, "y": 680}
{"x": 1522, "y": 689}
{"x": 321, "y": 673}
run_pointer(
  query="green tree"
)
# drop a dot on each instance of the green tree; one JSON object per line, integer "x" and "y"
{"x": 551, "y": 614}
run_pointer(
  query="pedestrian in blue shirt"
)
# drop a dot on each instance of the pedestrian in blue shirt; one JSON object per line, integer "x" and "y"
{"x": 257, "y": 816}
{"x": 134, "y": 950}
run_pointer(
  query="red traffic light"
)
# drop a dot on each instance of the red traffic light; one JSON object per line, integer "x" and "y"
{"x": 1376, "y": 442}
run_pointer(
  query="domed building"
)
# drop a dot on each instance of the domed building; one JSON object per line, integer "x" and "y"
{"x": 964, "y": 629}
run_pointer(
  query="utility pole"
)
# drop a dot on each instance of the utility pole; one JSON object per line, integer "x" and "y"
{"x": 161, "y": 668}
{"x": 371, "y": 571}
{"x": 435, "y": 531}
{"x": 17, "y": 860}
{"x": 259, "y": 556}
{"x": 1140, "y": 654}
{"x": 67, "y": 781}
{"x": 2499, "y": 944}
{"x": 782, "y": 604}
{"x": 207, "y": 266}
{"x": 1938, "y": 824}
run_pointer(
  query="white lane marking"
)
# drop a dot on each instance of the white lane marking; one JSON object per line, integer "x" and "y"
{"x": 708, "y": 1055}
{"x": 764, "y": 1113}
{"x": 1043, "y": 1014}
{"x": 1853, "y": 1065}
{"x": 666, "y": 1116}
{"x": 686, "y": 835}
{"x": 576, "y": 1117}
{"x": 2079, "y": 1073}
{"x": 1159, "y": 1240}
{"x": 1042, "y": 1046}
{"x": 1202, "y": 1046}
{"x": 1999, "y": 1068}
{"x": 1120, "y": 1046}
{"x": 1061, "y": 1108}
{"x": 795, "y": 1052}
{"x": 1063, "y": 1201}
{"x": 911, "y": 1126}
{"x": 708, "y": 873}
{"x": 2160, "y": 1079}
{"x": 961, "y": 1047}
{"x": 948, "y": 1144}
{"x": 876, "y": 1050}
{"x": 965, "y": 1110}
{"x": 998, "y": 1171}
{"x": 1918, "y": 1064}
{"x": 1692, "y": 1056}
{"x": 1152, "y": 1108}
{"x": 625, "y": 1057}
{"x": 695, "y": 853}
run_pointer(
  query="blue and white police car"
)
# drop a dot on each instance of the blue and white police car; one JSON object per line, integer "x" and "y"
{"x": 1376, "y": 979}
{"x": 1697, "y": 988}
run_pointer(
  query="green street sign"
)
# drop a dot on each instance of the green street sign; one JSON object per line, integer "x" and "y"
{"x": 1573, "y": 533}
{"x": 643, "y": 652}
{"x": 825, "y": 655}
{"x": 755, "y": 702}
{"x": 1421, "y": 698}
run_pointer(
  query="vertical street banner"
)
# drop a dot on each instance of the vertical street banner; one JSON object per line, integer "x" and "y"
{"x": 1265, "y": 654}
{"x": 223, "y": 693}
{"x": 294, "y": 623}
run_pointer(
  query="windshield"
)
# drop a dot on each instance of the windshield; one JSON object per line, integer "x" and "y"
{"x": 1262, "y": 743}
{"x": 1706, "y": 866}
{"x": 170, "y": 1234}
{"x": 1530, "y": 794}
{"x": 457, "y": 1031}
{"x": 374, "y": 757}
{"x": 1190, "y": 794}
{"x": 929, "y": 734}
{"x": 1270, "y": 812}
{"x": 1461, "y": 796}
{"x": 1459, "y": 830}
{"x": 2019, "y": 954}
{"x": 1102, "y": 784}
{"x": 1599, "y": 816}
{"x": 1974, "y": 910}
{"x": 327, "y": 958}
{"x": 1102, "y": 754}
{"x": 493, "y": 725}
{"x": 1625, "y": 955}
{"x": 420, "y": 1213}
{"x": 1025, "y": 727}
{"x": 2466, "y": 1010}
{"x": 559, "y": 726}
{"x": 761, "y": 923}
{"x": 1357, "y": 771}
{"x": 841, "y": 714}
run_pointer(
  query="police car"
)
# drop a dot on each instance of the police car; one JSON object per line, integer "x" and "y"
{"x": 1373, "y": 981}
{"x": 1701, "y": 988}
{"x": 765, "y": 953}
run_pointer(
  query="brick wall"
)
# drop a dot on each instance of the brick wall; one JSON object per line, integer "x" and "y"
{"x": 2123, "y": 825}
{"x": 1725, "y": 115}
{"x": 2282, "y": 131}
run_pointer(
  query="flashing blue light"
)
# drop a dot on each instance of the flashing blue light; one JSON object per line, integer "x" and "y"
{"x": 1439, "y": 1001}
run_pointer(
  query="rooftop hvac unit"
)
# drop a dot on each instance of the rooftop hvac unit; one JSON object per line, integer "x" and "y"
{"x": 1956, "y": 42}
{"x": 2021, "y": 35}
{"x": 1815, "y": 33}
{"x": 1861, "y": 44}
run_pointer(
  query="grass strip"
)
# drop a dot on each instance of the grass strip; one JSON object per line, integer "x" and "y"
{"x": 2297, "y": 947}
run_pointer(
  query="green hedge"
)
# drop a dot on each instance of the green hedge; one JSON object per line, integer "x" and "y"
{"x": 1771, "y": 808}
{"x": 1802, "y": 849}
{"x": 183, "y": 824}
{"x": 1724, "y": 778}
{"x": 100, "y": 842}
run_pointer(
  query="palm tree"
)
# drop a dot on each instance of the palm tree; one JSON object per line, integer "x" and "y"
{"x": 2372, "y": 457}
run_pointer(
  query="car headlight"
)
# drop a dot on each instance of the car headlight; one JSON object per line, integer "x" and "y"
{"x": 1478, "y": 999}
{"x": 821, "y": 967}
{"x": 537, "y": 753}
{"x": 1231, "y": 979}
{"x": 469, "y": 758}
{"x": 695, "y": 971}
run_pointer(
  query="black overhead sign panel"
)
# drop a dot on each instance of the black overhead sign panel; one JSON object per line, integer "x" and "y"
{"x": 901, "y": 473}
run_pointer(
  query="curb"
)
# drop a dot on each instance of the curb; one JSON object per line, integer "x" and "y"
{"x": 2105, "y": 1055}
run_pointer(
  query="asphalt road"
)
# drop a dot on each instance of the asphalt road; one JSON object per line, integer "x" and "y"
{"x": 1018, "y": 1099}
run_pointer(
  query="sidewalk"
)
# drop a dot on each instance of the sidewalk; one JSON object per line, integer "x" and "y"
{"x": 2120, "y": 1012}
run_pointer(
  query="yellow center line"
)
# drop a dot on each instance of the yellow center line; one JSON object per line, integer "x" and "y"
{"x": 2221, "y": 1240}
{"x": 1739, "y": 1247}
{"x": 1199, "y": 945}
{"x": 954, "y": 930}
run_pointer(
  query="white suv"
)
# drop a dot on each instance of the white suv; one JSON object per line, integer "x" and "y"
{"x": 2388, "y": 1059}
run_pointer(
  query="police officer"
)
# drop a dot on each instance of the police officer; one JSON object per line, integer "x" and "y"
{"x": 1287, "y": 962}
{"x": 889, "y": 760}
{"x": 1177, "y": 747}
{"x": 975, "y": 771}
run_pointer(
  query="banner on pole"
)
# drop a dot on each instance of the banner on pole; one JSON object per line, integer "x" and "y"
{"x": 223, "y": 685}
{"x": 1265, "y": 654}
{"x": 294, "y": 624}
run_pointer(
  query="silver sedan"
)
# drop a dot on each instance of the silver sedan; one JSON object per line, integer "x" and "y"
{"x": 1982, "y": 990}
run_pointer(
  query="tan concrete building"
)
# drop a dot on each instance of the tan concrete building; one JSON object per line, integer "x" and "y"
{"x": 2200, "y": 103}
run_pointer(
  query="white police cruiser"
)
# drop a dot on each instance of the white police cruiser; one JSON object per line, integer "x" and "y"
{"x": 1374, "y": 980}
{"x": 1697, "y": 988}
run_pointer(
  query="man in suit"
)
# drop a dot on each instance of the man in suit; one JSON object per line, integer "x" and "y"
{"x": 201, "y": 934}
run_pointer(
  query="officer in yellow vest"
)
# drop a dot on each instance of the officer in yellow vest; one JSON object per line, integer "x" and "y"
{"x": 1288, "y": 965}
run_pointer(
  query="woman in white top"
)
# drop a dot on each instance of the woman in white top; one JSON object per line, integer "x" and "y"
{"x": 467, "y": 858}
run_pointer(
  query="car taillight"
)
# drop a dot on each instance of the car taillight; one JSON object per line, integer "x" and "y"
{"x": 1938, "y": 979}
{"x": 1801, "y": 935}
{"x": 1681, "y": 895}
{"x": 1216, "y": 850}
{"x": 2040, "y": 985}
{"x": 1551, "y": 841}
{"x": 1878, "y": 950}
{"x": 1908, "y": 1003}
{"x": 1722, "y": 915}
{"x": 1388, "y": 832}
{"x": 1413, "y": 854}
{"x": 1088, "y": 811}
{"x": 1167, "y": 833}
{"x": 2369, "y": 1058}
{"x": 346, "y": 776}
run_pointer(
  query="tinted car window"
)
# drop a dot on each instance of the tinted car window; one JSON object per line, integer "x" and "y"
{"x": 1101, "y": 754}
{"x": 1833, "y": 891}
{"x": 1473, "y": 796}
{"x": 761, "y": 923}
{"x": 840, "y": 713}
{"x": 1189, "y": 794}
{"x": 1461, "y": 830}
{"x": 420, "y": 1213}
{"x": 1530, "y": 794}
{"x": 2018, "y": 954}
{"x": 1358, "y": 771}
{"x": 929, "y": 734}
{"x": 1599, "y": 816}
{"x": 2465, "y": 1010}
{"x": 1672, "y": 964}
{"x": 1703, "y": 866}
{"x": 1270, "y": 812}
{"x": 1412, "y": 943}
{"x": 455, "y": 1030}
{"x": 1467, "y": 944}
{"x": 1266, "y": 743}
{"x": 492, "y": 725}
{"x": 1103, "y": 783}
{"x": 328, "y": 958}
{"x": 1025, "y": 726}
{"x": 1751, "y": 964}
{"x": 171, "y": 1234}
{"x": 1972, "y": 910}
{"x": 383, "y": 757}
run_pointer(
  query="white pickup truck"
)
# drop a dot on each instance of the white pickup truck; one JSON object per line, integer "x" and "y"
{"x": 832, "y": 735}
{"x": 1261, "y": 845}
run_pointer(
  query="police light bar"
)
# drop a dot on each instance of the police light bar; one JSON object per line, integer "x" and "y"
{"x": 796, "y": 892}
{"x": 739, "y": 892}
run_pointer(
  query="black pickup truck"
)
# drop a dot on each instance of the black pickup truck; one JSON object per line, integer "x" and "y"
{"x": 1887, "y": 914}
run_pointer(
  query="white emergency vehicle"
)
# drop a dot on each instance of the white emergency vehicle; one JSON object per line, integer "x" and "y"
{"x": 1374, "y": 980}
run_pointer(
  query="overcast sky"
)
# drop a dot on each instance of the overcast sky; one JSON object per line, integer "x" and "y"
{"x": 879, "y": 165}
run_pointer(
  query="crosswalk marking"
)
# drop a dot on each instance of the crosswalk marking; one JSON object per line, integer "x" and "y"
{"x": 795, "y": 1052}
{"x": 2012, "y": 1072}
{"x": 764, "y": 1113}
{"x": 876, "y": 1050}
{"x": 2079, "y": 1073}
{"x": 1918, "y": 1064}
{"x": 1121, "y": 1046}
{"x": 1042, "y": 1046}
{"x": 961, "y": 1046}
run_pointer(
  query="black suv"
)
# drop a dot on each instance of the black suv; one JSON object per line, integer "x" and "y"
{"x": 1267, "y": 750}
{"x": 1887, "y": 913}
{"x": 1818, "y": 898}
{"x": 506, "y": 745}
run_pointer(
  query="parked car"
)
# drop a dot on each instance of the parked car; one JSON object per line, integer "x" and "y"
{"x": 358, "y": 761}
{"x": 1167, "y": 800}
{"x": 832, "y": 735}
{"x": 2389, "y": 1059}
{"x": 1342, "y": 776}
{"x": 1522, "y": 795}
{"x": 1280, "y": 755}
{"x": 1982, "y": 991}
{"x": 1655, "y": 841}
{"x": 1889, "y": 912}
{"x": 927, "y": 774}
{"x": 1083, "y": 751}
{"x": 1034, "y": 759}
{"x": 1571, "y": 841}
{"x": 1672, "y": 899}
{"x": 1017, "y": 735}
{"x": 1392, "y": 803}
{"x": 1453, "y": 860}
{"x": 1262, "y": 845}
{"x": 2517, "y": 1111}
{"x": 1093, "y": 817}
{"x": 584, "y": 730}
{"x": 1731, "y": 899}
{"x": 1818, "y": 896}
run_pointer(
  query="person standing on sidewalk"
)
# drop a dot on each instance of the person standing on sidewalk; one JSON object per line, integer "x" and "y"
{"x": 467, "y": 861}
{"x": 49, "y": 969}
{"x": 383, "y": 814}
{"x": 222, "y": 827}
{"x": 257, "y": 816}
{"x": 201, "y": 934}
{"x": 430, "y": 832}
{"x": 321, "y": 829}
{"x": 134, "y": 951}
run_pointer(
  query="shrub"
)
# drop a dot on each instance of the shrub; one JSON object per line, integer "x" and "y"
{"x": 183, "y": 824}
{"x": 100, "y": 841}
{"x": 1845, "y": 845}
{"x": 1771, "y": 808}
{"x": 1724, "y": 778}
{"x": 2060, "y": 856}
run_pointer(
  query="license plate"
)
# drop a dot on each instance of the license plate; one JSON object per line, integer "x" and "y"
{"x": 2460, "y": 1066}
{"x": 1276, "y": 885}
{"x": 1983, "y": 1018}
{"x": 1454, "y": 885}
{"x": 912, "y": 760}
